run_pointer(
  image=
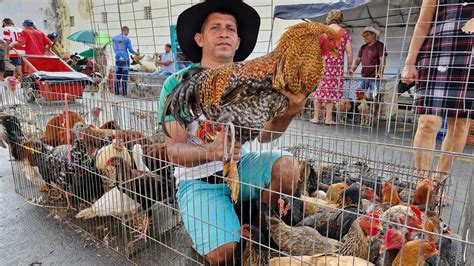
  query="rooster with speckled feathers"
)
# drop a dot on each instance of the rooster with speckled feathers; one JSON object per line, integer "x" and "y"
{"x": 247, "y": 94}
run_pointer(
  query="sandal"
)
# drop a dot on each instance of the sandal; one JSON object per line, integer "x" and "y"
{"x": 332, "y": 123}
{"x": 315, "y": 121}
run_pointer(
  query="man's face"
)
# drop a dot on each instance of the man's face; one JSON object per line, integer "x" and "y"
{"x": 219, "y": 39}
{"x": 125, "y": 32}
{"x": 369, "y": 37}
{"x": 167, "y": 49}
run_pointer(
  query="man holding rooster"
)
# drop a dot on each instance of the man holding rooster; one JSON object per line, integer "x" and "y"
{"x": 212, "y": 34}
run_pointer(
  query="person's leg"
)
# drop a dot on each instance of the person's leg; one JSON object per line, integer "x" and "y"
{"x": 454, "y": 141}
{"x": 124, "y": 80}
{"x": 118, "y": 76}
{"x": 317, "y": 108}
{"x": 2, "y": 68}
{"x": 425, "y": 138}
{"x": 266, "y": 174}
{"x": 209, "y": 218}
{"x": 16, "y": 61}
{"x": 329, "y": 109}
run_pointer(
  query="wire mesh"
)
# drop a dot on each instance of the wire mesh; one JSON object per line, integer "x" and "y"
{"x": 119, "y": 181}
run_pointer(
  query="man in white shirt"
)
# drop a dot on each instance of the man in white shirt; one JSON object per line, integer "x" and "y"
{"x": 166, "y": 61}
{"x": 15, "y": 50}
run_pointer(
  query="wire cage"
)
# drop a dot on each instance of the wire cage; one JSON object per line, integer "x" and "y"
{"x": 349, "y": 194}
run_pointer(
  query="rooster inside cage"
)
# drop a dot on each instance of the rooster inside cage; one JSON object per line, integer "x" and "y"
{"x": 358, "y": 202}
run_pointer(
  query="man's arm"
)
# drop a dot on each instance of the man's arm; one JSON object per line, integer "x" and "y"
{"x": 165, "y": 62}
{"x": 381, "y": 66}
{"x": 21, "y": 39}
{"x": 114, "y": 45}
{"x": 47, "y": 45}
{"x": 129, "y": 47}
{"x": 356, "y": 64}
{"x": 188, "y": 155}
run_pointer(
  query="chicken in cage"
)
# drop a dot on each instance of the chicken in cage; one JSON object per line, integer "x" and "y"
{"x": 348, "y": 194}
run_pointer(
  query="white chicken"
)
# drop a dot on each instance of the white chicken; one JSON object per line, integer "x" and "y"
{"x": 115, "y": 149}
{"x": 147, "y": 66}
{"x": 112, "y": 203}
{"x": 137, "y": 154}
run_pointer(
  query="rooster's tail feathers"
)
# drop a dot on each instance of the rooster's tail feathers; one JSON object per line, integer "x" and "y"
{"x": 182, "y": 102}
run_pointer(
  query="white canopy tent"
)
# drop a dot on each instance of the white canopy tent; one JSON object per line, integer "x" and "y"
{"x": 394, "y": 19}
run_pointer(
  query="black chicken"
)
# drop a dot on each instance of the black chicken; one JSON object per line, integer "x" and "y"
{"x": 77, "y": 175}
{"x": 12, "y": 135}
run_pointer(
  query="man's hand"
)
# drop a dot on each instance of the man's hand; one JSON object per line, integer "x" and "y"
{"x": 296, "y": 101}
{"x": 216, "y": 149}
{"x": 409, "y": 74}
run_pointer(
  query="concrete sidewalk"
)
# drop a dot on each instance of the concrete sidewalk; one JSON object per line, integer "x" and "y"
{"x": 29, "y": 236}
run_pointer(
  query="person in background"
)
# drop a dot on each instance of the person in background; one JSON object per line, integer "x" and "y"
{"x": 440, "y": 60}
{"x": 330, "y": 88}
{"x": 56, "y": 46}
{"x": 122, "y": 47}
{"x": 36, "y": 42}
{"x": 181, "y": 60}
{"x": 3, "y": 52}
{"x": 15, "y": 51}
{"x": 372, "y": 55}
{"x": 166, "y": 61}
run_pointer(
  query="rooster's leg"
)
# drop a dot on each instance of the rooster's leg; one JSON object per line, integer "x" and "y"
{"x": 43, "y": 187}
{"x": 142, "y": 230}
{"x": 68, "y": 202}
{"x": 56, "y": 197}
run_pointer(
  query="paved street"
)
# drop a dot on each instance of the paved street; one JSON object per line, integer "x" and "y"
{"x": 29, "y": 236}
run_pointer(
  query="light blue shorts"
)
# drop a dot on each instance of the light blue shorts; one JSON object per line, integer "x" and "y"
{"x": 206, "y": 209}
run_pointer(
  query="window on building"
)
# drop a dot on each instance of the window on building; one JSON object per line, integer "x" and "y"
{"x": 104, "y": 17}
{"x": 72, "y": 21}
{"x": 148, "y": 12}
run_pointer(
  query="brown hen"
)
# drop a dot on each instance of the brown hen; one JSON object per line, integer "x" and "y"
{"x": 333, "y": 194}
{"x": 246, "y": 94}
{"x": 297, "y": 241}
{"x": 358, "y": 241}
{"x": 415, "y": 253}
{"x": 55, "y": 133}
{"x": 423, "y": 192}
{"x": 390, "y": 194}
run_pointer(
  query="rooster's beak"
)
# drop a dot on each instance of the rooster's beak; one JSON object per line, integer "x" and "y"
{"x": 378, "y": 226}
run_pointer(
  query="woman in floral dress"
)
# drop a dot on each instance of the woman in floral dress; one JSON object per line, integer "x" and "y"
{"x": 330, "y": 89}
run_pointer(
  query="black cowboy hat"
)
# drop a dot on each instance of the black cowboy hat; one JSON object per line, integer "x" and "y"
{"x": 190, "y": 22}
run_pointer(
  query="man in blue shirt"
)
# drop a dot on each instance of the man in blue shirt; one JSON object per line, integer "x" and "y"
{"x": 122, "y": 46}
